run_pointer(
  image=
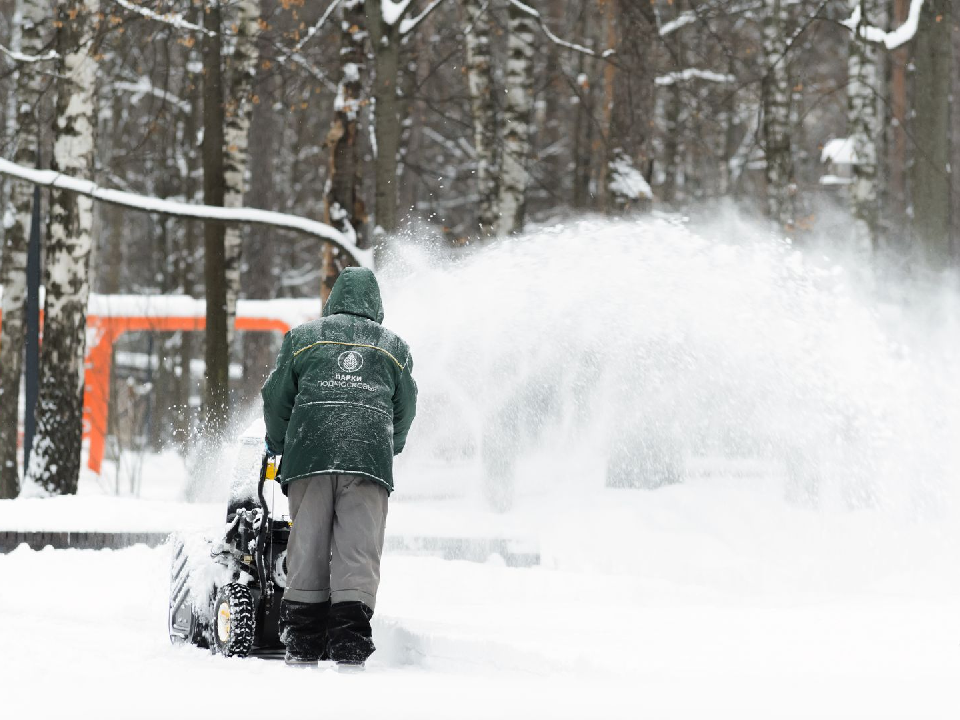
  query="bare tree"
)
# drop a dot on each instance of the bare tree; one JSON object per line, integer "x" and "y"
{"x": 216, "y": 397}
{"x": 32, "y": 15}
{"x": 864, "y": 87}
{"x": 343, "y": 202}
{"x": 242, "y": 69}
{"x": 55, "y": 459}
{"x": 930, "y": 174}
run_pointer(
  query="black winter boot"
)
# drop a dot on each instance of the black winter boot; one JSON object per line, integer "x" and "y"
{"x": 303, "y": 629}
{"x": 350, "y": 636}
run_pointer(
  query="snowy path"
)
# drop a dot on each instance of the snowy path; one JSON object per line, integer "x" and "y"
{"x": 83, "y": 634}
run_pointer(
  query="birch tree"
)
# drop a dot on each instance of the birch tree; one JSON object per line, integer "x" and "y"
{"x": 515, "y": 125}
{"x": 483, "y": 111}
{"x": 55, "y": 459}
{"x": 864, "y": 85}
{"x": 13, "y": 263}
{"x": 776, "y": 115}
{"x": 238, "y": 111}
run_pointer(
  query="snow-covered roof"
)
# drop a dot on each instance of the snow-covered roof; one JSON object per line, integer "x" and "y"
{"x": 839, "y": 151}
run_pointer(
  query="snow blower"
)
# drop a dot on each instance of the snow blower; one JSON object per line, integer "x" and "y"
{"x": 225, "y": 591}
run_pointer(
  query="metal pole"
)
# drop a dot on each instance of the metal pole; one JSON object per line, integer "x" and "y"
{"x": 32, "y": 359}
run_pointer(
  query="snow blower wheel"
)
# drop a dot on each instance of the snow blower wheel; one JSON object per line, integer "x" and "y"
{"x": 235, "y": 623}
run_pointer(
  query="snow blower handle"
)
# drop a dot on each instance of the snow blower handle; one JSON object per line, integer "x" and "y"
{"x": 268, "y": 471}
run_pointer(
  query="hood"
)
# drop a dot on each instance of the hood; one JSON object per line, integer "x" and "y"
{"x": 356, "y": 292}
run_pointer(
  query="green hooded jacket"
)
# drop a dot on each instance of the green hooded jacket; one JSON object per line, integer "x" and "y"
{"x": 342, "y": 397}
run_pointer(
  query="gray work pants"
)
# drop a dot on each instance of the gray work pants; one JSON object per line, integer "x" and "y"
{"x": 337, "y": 539}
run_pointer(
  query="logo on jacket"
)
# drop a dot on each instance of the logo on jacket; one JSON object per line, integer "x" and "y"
{"x": 350, "y": 361}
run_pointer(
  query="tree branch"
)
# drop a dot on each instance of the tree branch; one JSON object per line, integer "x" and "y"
{"x": 208, "y": 213}
{"x": 21, "y": 58}
{"x": 558, "y": 40}
{"x": 890, "y": 40}
{"x": 316, "y": 28}
{"x": 177, "y": 21}
{"x": 409, "y": 25}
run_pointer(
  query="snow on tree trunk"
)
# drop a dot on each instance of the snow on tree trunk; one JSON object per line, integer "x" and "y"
{"x": 238, "y": 111}
{"x": 343, "y": 203}
{"x": 13, "y": 262}
{"x": 864, "y": 127}
{"x": 217, "y": 351}
{"x": 55, "y": 459}
{"x": 776, "y": 116}
{"x": 483, "y": 112}
{"x": 515, "y": 127}
{"x": 385, "y": 40}
{"x": 930, "y": 174}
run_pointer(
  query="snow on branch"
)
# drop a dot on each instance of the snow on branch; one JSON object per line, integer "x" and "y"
{"x": 554, "y": 38}
{"x": 890, "y": 40}
{"x": 170, "y": 18}
{"x": 691, "y": 16}
{"x": 144, "y": 87}
{"x": 145, "y": 203}
{"x": 678, "y": 22}
{"x": 392, "y": 11}
{"x": 316, "y": 27}
{"x": 690, "y": 74}
{"x": 21, "y": 58}
{"x": 410, "y": 24}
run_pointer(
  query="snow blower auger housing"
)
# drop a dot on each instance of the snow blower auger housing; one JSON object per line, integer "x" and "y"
{"x": 225, "y": 593}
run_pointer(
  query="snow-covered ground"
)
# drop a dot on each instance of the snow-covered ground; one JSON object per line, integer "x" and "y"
{"x": 807, "y": 566}
{"x": 714, "y": 598}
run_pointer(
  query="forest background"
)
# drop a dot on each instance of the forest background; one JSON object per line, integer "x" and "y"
{"x": 452, "y": 121}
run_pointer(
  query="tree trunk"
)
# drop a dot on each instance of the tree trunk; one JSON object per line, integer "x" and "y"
{"x": 583, "y": 124}
{"x": 930, "y": 176}
{"x": 954, "y": 21}
{"x": 897, "y": 156}
{"x": 385, "y": 40}
{"x": 483, "y": 112}
{"x": 242, "y": 72}
{"x": 216, "y": 396}
{"x": 515, "y": 128}
{"x": 612, "y": 148}
{"x": 776, "y": 116}
{"x": 342, "y": 200}
{"x": 864, "y": 128}
{"x": 730, "y": 135}
{"x": 13, "y": 261}
{"x": 55, "y": 459}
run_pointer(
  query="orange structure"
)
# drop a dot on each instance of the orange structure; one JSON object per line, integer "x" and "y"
{"x": 105, "y": 326}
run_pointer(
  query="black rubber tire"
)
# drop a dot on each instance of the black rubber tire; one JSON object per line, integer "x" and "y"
{"x": 234, "y": 621}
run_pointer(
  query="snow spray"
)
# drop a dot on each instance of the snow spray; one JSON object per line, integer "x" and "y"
{"x": 639, "y": 353}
